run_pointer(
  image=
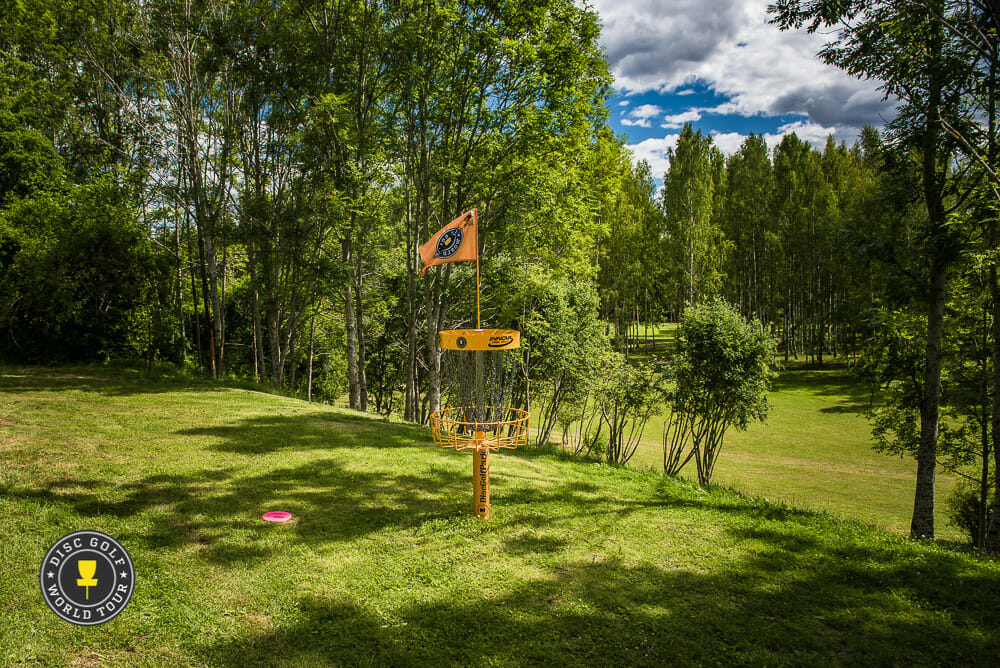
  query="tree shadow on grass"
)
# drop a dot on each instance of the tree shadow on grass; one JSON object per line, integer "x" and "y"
{"x": 831, "y": 382}
{"x": 108, "y": 381}
{"x": 360, "y": 475}
{"x": 784, "y": 604}
{"x": 272, "y": 433}
{"x": 220, "y": 511}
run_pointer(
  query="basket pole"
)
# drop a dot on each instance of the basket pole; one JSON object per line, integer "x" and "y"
{"x": 478, "y": 323}
{"x": 475, "y": 214}
{"x": 481, "y": 456}
{"x": 481, "y": 481}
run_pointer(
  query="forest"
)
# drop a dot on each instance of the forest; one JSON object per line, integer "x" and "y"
{"x": 241, "y": 189}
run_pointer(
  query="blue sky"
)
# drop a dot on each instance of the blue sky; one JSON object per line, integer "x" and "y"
{"x": 721, "y": 66}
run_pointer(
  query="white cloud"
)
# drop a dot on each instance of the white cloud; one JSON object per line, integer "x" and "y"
{"x": 677, "y": 121}
{"x": 729, "y": 47}
{"x": 813, "y": 133}
{"x": 729, "y": 142}
{"x": 641, "y": 115}
{"x": 654, "y": 151}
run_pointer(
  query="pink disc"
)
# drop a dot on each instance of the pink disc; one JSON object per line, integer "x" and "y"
{"x": 276, "y": 516}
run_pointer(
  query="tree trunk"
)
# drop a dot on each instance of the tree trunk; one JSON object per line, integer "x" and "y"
{"x": 922, "y": 524}
{"x": 435, "y": 317}
{"x": 411, "y": 391}
{"x": 350, "y": 325}
{"x": 258, "y": 342}
{"x": 274, "y": 341}
{"x": 182, "y": 341}
{"x": 312, "y": 341}
{"x": 218, "y": 332}
{"x": 992, "y": 543}
{"x": 360, "y": 329}
{"x": 353, "y": 386}
{"x": 205, "y": 292}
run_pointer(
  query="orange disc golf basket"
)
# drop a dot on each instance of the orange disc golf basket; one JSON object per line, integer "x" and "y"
{"x": 479, "y": 366}
{"x": 478, "y": 369}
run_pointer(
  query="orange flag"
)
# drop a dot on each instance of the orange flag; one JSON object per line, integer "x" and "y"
{"x": 457, "y": 241}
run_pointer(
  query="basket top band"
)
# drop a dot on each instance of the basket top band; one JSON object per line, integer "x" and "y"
{"x": 479, "y": 339}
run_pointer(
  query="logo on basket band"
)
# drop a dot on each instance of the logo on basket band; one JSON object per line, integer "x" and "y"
{"x": 461, "y": 342}
{"x": 449, "y": 243}
{"x": 87, "y": 578}
{"x": 500, "y": 340}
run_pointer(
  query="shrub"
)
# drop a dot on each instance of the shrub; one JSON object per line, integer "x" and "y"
{"x": 722, "y": 371}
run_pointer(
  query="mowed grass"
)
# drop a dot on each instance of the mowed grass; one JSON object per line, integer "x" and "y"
{"x": 382, "y": 564}
{"x": 815, "y": 452}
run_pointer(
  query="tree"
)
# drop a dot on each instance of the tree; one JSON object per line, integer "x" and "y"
{"x": 195, "y": 81}
{"x": 976, "y": 26}
{"x": 804, "y": 208}
{"x": 497, "y": 101}
{"x": 564, "y": 343}
{"x": 694, "y": 240}
{"x": 746, "y": 223}
{"x": 629, "y": 262}
{"x": 722, "y": 369}
{"x": 903, "y": 47}
{"x": 76, "y": 272}
{"x": 627, "y": 397}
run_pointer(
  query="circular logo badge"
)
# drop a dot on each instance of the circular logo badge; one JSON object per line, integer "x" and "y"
{"x": 87, "y": 578}
{"x": 449, "y": 243}
{"x": 461, "y": 342}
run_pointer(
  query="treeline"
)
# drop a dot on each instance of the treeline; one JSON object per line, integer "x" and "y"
{"x": 243, "y": 186}
{"x": 780, "y": 232}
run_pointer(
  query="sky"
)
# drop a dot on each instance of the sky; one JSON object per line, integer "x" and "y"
{"x": 721, "y": 66}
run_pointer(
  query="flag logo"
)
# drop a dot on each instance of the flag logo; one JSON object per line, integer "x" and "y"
{"x": 448, "y": 244}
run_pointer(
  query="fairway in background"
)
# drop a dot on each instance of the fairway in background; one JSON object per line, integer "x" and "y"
{"x": 815, "y": 452}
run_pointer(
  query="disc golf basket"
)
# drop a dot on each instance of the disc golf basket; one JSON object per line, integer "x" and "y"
{"x": 478, "y": 370}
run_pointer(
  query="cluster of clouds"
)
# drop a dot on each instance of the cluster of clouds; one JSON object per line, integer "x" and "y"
{"x": 665, "y": 48}
{"x": 654, "y": 150}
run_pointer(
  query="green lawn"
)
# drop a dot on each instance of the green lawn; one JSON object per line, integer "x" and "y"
{"x": 582, "y": 564}
{"x": 815, "y": 452}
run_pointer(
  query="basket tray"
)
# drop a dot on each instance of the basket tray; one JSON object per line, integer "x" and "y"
{"x": 451, "y": 429}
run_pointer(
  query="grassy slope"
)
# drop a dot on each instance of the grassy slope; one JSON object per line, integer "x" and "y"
{"x": 382, "y": 564}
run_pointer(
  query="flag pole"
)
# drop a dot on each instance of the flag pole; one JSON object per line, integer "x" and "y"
{"x": 475, "y": 213}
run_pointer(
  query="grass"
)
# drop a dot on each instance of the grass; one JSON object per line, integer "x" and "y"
{"x": 815, "y": 452}
{"x": 383, "y": 565}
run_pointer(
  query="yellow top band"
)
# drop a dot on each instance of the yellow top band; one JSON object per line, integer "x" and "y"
{"x": 479, "y": 339}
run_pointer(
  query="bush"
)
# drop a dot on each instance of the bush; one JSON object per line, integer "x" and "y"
{"x": 965, "y": 512}
{"x": 76, "y": 277}
{"x": 722, "y": 371}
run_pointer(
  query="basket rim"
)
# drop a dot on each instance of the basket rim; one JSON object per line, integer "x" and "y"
{"x": 463, "y": 434}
